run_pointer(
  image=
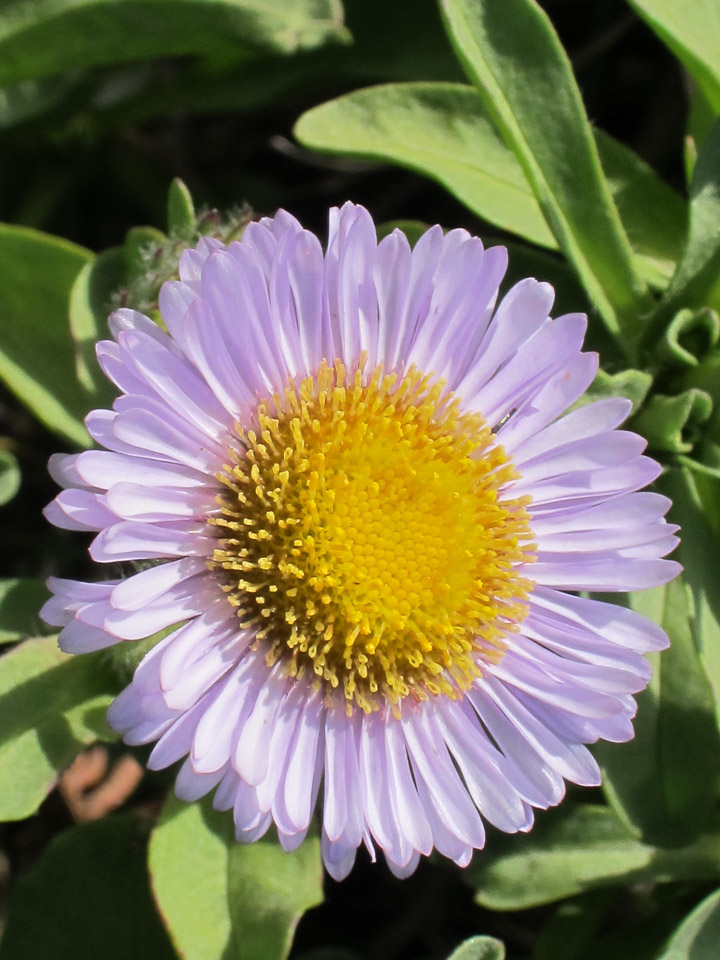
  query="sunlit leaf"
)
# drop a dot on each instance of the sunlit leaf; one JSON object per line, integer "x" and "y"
{"x": 37, "y": 39}
{"x": 51, "y": 707}
{"x": 245, "y": 901}
{"x": 692, "y": 31}
{"x": 88, "y": 897}
{"x": 443, "y": 130}
{"x": 515, "y": 59}
{"x": 37, "y": 359}
{"x": 269, "y": 891}
{"x": 574, "y": 849}
{"x": 192, "y": 840}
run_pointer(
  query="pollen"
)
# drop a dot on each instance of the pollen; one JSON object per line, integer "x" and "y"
{"x": 366, "y": 538}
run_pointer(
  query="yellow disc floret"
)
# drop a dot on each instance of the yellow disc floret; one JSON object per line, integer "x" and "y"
{"x": 363, "y": 539}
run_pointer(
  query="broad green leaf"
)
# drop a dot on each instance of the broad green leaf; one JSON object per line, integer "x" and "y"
{"x": 692, "y": 31}
{"x": 574, "y": 849}
{"x": 88, "y": 897}
{"x": 193, "y": 840}
{"x": 42, "y": 37}
{"x": 443, "y": 131}
{"x": 694, "y": 283}
{"x": 51, "y": 707}
{"x": 20, "y": 602}
{"x": 652, "y": 782}
{"x": 89, "y": 305}
{"x": 698, "y": 937}
{"x": 9, "y": 476}
{"x": 516, "y": 61}
{"x": 37, "y": 358}
{"x": 245, "y": 901}
{"x": 269, "y": 891}
{"x": 479, "y": 948}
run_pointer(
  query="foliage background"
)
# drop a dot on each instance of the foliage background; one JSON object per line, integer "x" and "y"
{"x": 102, "y": 105}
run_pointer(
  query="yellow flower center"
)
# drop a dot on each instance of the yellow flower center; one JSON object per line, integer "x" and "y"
{"x": 363, "y": 539}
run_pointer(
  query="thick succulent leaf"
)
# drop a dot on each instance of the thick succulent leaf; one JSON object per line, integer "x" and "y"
{"x": 698, "y": 937}
{"x": 692, "y": 31}
{"x": 109, "y": 31}
{"x": 87, "y": 897}
{"x": 577, "y": 848}
{"x": 444, "y": 131}
{"x": 511, "y": 52}
{"x": 51, "y": 707}
{"x": 37, "y": 358}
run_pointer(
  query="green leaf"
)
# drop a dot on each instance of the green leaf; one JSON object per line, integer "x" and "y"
{"x": 443, "y": 131}
{"x": 515, "y": 59}
{"x": 696, "y": 277}
{"x": 631, "y": 384}
{"x": 479, "y": 948}
{"x": 245, "y": 901}
{"x": 37, "y": 359}
{"x": 574, "y": 926}
{"x": 692, "y": 31}
{"x": 51, "y": 36}
{"x": 652, "y": 782}
{"x": 673, "y": 423}
{"x": 87, "y": 897}
{"x": 182, "y": 219}
{"x": 20, "y": 602}
{"x": 698, "y": 937}
{"x": 193, "y": 840}
{"x": 51, "y": 707}
{"x": 653, "y": 215}
{"x": 9, "y": 476}
{"x": 269, "y": 891}
{"x": 574, "y": 849}
{"x": 89, "y": 305}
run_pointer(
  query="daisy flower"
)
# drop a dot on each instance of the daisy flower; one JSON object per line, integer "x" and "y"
{"x": 353, "y": 494}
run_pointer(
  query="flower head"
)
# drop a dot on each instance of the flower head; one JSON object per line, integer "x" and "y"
{"x": 363, "y": 510}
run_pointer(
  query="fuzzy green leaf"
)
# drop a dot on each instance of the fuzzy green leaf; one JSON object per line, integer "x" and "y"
{"x": 51, "y": 707}
{"x": 193, "y": 840}
{"x": 37, "y": 358}
{"x": 511, "y": 52}
{"x": 269, "y": 891}
{"x": 574, "y": 849}
{"x": 9, "y": 476}
{"x": 42, "y": 37}
{"x": 443, "y": 131}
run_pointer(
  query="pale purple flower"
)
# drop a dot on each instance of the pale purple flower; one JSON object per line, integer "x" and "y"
{"x": 362, "y": 507}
